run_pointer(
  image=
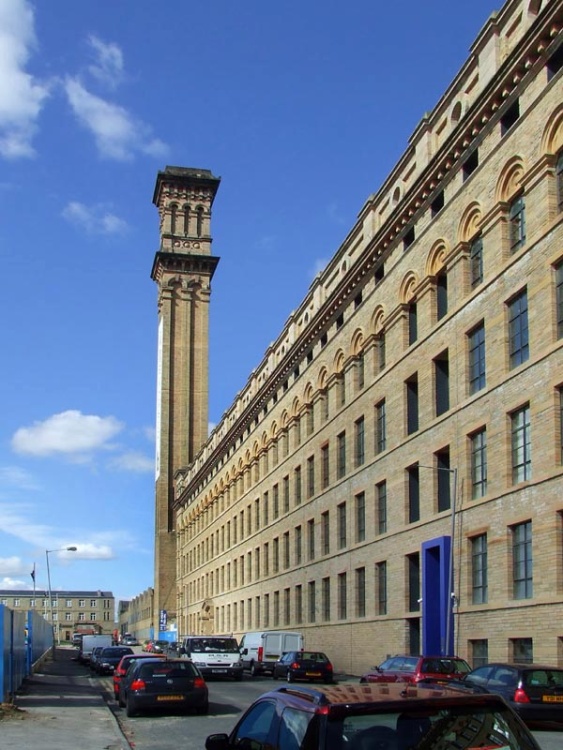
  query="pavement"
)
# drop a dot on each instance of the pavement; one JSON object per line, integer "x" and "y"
{"x": 60, "y": 707}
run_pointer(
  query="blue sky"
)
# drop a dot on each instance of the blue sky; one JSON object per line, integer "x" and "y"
{"x": 302, "y": 108}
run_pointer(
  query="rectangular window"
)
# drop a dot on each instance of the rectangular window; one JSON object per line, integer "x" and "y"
{"x": 266, "y": 510}
{"x": 479, "y": 569}
{"x": 441, "y": 295}
{"x": 381, "y": 499}
{"x": 522, "y": 564}
{"x": 341, "y": 386}
{"x": 276, "y": 501}
{"x": 341, "y": 454}
{"x": 380, "y": 427}
{"x": 476, "y": 261}
{"x": 325, "y": 467}
{"x": 276, "y": 608}
{"x": 360, "y": 592}
{"x": 522, "y": 650}
{"x": 286, "y": 550}
{"x": 521, "y": 445}
{"x": 360, "y": 502}
{"x": 298, "y": 545}
{"x": 311, "y": 539}
{"x": 413, "y": 323}
{"x": 312, "y": 597}
{"x": 560, "y": 409}
{"x": 299, "y": 603}
{"x": 412, "y": 403}
{"x": 478, "y": 442}
{"x": 275, "y": 556}
{"x": 444, "y": 479}
{"x": 297, "y": 488}
{"x": 510, "y": 117}
{"x": 381, "y": 581}
{"x": 559, "y": 299}
{"x": 470, "y": 164}
{"x": 326, "y": 599}
{"x": 413, "y": 562}
{"x": 476, "y": 350}
{"x": 342, "y": 596}
{"x": 479, "y": 652}
{"x": 310, "y": 476}
{"x": 325, "y": 533}
{"x": 257, "y": 514}
{"x": 518, "y": 345}
{"x": 517, "y": 221}
{"x": 442, "y": 383}
{"x": 414, "y": 493}
{"x": 341, "y": 522}
{"x": 286, "y": 494}
{"x": 359, "y": 441}
{"x": 266, "y": 560}
{"x": 380, "y": 345}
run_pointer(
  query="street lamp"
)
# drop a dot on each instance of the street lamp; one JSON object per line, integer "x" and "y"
{"x": 47, "y": 553}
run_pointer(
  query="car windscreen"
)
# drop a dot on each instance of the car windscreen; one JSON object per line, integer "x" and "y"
{"x": 218, "y": 645}
{"x": 445, "y": 666}
{"x": 166, "y": 669}
{"x": 459, "y": 726}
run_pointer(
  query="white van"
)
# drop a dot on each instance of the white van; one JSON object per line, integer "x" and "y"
{"x": 261, "y": 650}
{"x": 214, "y": 655}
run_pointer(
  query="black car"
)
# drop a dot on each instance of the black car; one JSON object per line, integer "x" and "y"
{"x": 163, "y": 684}
{"x": 383, "y": 717}
{"x": 534, "y": 691}
{"x": 109, "y": 657}
{"x": 304, "y": 665}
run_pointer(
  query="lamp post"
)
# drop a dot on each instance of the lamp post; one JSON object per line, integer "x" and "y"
{"x": 47, "y": 553}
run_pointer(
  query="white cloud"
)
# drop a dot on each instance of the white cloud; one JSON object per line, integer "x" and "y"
{"x": 133, "y": 461}
{"x": 13, "y": 476}
{"x": 12, "y": 566}
{"x": 70, "y": 433}
{"x": 96, "y": 219}
{"x": 117, "y": 133}
{"x": 108, "y": 67}
{"x": 91, "y": 551}
{"x": 12, "y": 584}
{"x": 21, "y": 96}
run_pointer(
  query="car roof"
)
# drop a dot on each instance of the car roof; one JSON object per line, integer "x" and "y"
{"x": 360, "y": 694}
{"x": 520, "y": 665}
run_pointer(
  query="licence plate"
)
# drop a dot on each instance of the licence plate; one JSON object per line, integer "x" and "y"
{"x": 552, "y": 698}
{"x": 312, "y": 674}
{"x": 169, "y": 698}
{"x": 219, "y": 671}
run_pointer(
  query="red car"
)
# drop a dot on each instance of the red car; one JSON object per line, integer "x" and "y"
{"x": 416, "y": 668}
{"x": 121, "y": 670}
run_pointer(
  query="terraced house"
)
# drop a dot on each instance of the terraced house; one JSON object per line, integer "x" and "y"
{"x": 390, "y": 478}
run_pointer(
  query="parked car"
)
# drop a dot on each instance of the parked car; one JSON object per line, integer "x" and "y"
{"x": 163, "y": 683}
{"x": 304, "y": 665}
{"x": 261, "y": 649}
{"x": 129, "y": 640}
{"x": 96, "y": 651}
{"x": 108, "y": 659}
{"x": 416, "y": 668}
{"x": 386, "y": 717}
{"x": 157, "y": 647}
{"x": 534, "y": 691}
{"x": 121, "y": 670}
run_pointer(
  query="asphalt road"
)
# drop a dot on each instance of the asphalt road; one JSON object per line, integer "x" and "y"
{"x": 228, "y": 699}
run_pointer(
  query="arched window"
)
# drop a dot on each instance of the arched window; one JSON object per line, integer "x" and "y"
{"x": 199, "y": 221}
{"x": 173, "y": 217}
{"x": 186, "y": 219}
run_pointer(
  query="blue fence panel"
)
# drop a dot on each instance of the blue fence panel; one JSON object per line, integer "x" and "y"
{"x": 24, "y": 638}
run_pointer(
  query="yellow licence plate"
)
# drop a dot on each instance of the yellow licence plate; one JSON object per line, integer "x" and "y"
{"x": 552, "y": 698}
{"x": 169, "y": 698}
{"x": 312, "y": 674}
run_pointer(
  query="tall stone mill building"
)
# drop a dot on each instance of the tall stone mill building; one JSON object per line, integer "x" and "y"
{"x": 390, "y": 477}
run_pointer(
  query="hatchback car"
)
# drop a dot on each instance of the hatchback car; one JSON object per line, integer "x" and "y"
{"x": 157, "y": 647}
{"x": 382, "y": 717}
{"x": 416, "y": 668}
{"x": 534, "y": 691}
{"x": 121, "y": 670}
{"x": 304, "y": 665}
{"x": 163, "y": 684}
{"x": 109, "y": 657}
{"x": 96, "y": 651}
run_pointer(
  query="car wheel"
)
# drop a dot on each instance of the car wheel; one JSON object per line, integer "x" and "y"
{"x": 275, "y": 675}
{"x": 130, "y": 707}
{"x": 253, "y": 670}
{"x": 202, "y": 710}
{"x": 289, "y": 677}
